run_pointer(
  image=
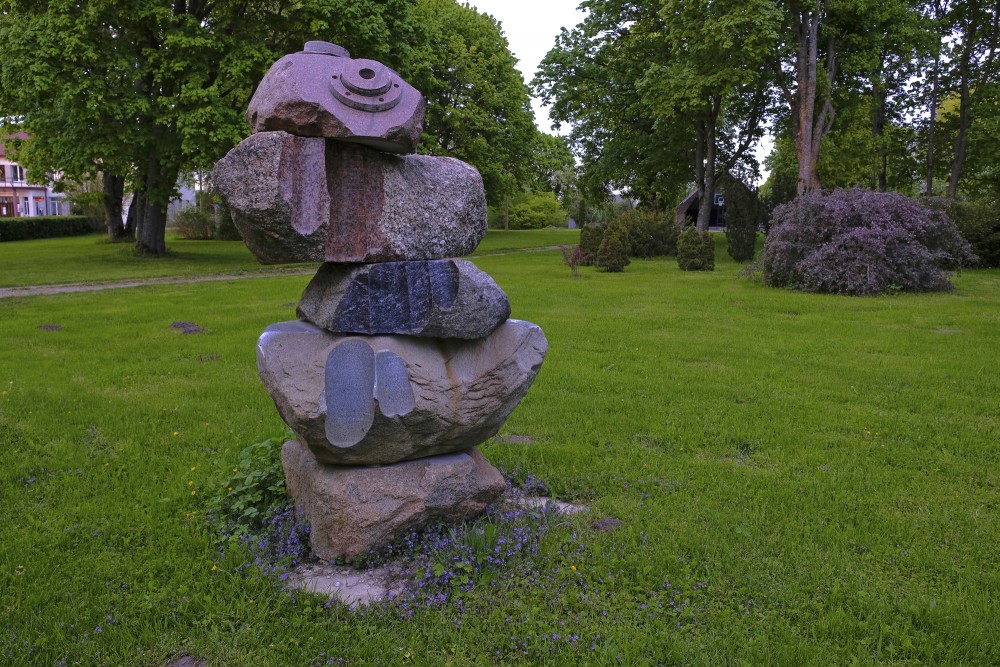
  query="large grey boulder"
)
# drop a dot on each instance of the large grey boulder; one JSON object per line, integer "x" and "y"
{"x": 352, "y": 510}
{"x": 439, "y": 298}
{"x": 323, "y": 92}
{"x": 306, "y": 199}
{"x": 366, "y": 400}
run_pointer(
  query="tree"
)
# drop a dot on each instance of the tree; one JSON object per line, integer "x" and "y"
{"x": 801, "y": 62}
{"x": 681, "y": 85}
{"x": 552, "y": 159}
{"x": 478, "y": 107}
{"x": 975, "y": 31}
{"x": 149, "y": 89}
{"x": 714, "y": 76}
{"x": 589, "y": 79}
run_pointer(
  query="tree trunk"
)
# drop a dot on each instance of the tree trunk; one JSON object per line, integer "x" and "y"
{"x": 932, "y": 123}
{"x": 114, "y": 188}
{"x": 699, "y": 166}
{"x": 964, "y": 104}
{"x": 136, "y": 212}
{"x": 878, "y": 131}
{"x": 810, "y": 128}
{"x": 961, "y": 139}
{"x": 805, "y": 69}
{"x": 506, "y": 213}
{"x": 707, "y": 186}
{"x": 150, "y": 237}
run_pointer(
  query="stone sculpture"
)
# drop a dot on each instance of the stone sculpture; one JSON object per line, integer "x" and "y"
{"x": 403, "y": 359}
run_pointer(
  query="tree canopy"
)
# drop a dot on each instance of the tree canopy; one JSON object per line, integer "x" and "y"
{"x": 146, "y": 91}
{"x": 662, "y": 95}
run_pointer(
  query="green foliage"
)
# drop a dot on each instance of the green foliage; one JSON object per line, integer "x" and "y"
{"x": 194, "y": 224}
{"x": 651, "y": 88}
{"x": 253, "y": 489}
{"x": 535, "y": 210}
{"x": 166, "y": 83}
{"x": 590, "y": 241}
{"x": 695, "y": 250}
{"x": 552, "y": 166}
{"x": 743, "y": 218}
{"x": 44, "y": 227}
{"x": 650, "y": 233}
{"x": 478, "y": 108}
{"x": 612, "y": 255}
{"x": 979, "y": 223}
{"x": 225, "y": 229}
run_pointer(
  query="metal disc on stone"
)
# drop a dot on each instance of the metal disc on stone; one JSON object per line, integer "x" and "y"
{"x": 323, "y": 92}
{"x": 349, "y": 386}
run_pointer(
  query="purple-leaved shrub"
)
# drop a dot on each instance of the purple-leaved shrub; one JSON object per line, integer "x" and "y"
{"x": 862, "y": 243}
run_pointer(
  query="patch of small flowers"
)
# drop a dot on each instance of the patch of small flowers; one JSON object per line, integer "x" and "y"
{"x": 524, "y": 480}
{"x": 441, "y": 565}
{"x": 328, "y": 661}
{"x": 251, "y": 512}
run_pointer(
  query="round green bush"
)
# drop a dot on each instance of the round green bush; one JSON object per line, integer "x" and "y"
{"x": 194, "y": 224}
{"x": 590, "y": 242}
{"x": 695, "y": 250}
{"x": 649, "y": 233}
{"x": 612, "y": 256}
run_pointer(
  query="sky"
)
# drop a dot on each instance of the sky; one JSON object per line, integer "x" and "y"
{"x": 531, "y": 27}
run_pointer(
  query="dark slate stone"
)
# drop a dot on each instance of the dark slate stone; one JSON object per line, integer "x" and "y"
{"x": 392, "y": 385}
{"x": 437, "y": 298}
{"x": 444, "y": 279}
{"x": 349, "y": 389}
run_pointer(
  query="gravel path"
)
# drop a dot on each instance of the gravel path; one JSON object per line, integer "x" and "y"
{"x": 43, "y": 290}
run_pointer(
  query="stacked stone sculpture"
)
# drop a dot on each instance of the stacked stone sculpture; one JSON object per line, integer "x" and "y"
{"x": 403, "y": 359}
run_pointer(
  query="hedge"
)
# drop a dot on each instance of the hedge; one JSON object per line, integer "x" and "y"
{"x": 44, "y": 227}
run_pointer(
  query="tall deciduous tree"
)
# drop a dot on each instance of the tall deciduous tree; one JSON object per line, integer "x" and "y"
{"x": 478, "y": 107}
{"x": 151, "y": 88}
{"x": 975, "y": 65}
{"x": 715, "y": 77}
{"x": 589, "y": 79}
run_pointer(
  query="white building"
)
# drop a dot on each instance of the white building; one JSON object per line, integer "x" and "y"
{"x": 19, "y": 198}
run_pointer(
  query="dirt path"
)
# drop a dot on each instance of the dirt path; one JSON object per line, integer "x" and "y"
{"x": 45, "y": 290}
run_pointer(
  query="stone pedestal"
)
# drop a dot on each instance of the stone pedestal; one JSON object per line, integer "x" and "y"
{"x": 354, "y": 509}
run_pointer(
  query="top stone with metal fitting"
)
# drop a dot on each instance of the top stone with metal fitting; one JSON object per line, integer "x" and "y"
{"x": 322, "y": 92}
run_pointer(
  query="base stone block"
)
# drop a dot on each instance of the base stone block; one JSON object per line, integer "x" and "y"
{"x": 354, "y": 509}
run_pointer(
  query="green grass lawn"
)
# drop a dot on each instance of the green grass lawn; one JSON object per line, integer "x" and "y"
{"x": 803, "y": 479}
{"x": 91, "y": 259}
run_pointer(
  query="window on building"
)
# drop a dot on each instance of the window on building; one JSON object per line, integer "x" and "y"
{"x": 3, "y": 172}
{"x": 16, "y": 173}
{"x": 6, "y": 207}
{"x": 25, "y": 206}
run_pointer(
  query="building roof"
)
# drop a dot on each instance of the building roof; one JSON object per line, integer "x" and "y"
{"x": 16, "y": 135}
